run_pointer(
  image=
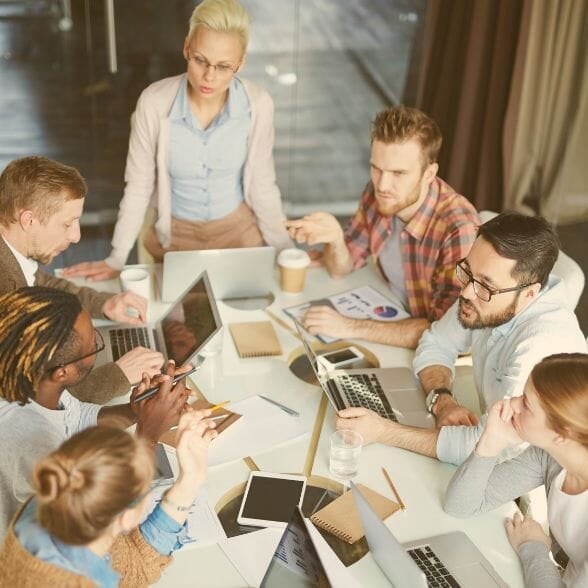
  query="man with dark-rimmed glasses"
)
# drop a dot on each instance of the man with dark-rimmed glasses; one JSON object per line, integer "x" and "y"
{"x": 47, "y": 345}
{"x": 509, "y": 315}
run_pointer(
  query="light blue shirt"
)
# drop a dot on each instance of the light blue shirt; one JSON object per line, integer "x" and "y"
{"x": 502, "y": 357}
{"x": 159, "y": 530}
{"x": 206, "y": 165}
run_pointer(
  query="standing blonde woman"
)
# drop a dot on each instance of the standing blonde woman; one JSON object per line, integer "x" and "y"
{"x": 200, "y": 152}
{"x": 551, "y": 415}
{"x": 83, "y": 525}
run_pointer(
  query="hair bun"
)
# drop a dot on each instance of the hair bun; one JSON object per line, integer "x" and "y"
{"x": 53, "y": 477}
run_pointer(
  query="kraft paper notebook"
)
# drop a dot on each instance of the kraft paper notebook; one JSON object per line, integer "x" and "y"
{"x": 169, "y": 437}
{"x": 257, "y": 339}
{"x": 342, "y": 519}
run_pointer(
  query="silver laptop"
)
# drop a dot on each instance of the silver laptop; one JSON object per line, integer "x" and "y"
{"x": 448, "y": 560}
{"x": 180, "y": 335}
{"x": 234, "y": 273}
{"x": 393, "y": 393}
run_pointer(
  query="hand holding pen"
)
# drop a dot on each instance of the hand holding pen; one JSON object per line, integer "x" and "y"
{"x": 162, "y": 410}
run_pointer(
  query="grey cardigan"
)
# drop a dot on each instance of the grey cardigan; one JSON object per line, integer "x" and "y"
{"x": 480, "y": 485}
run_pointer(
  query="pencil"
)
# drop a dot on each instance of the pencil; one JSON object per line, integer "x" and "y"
{"x": 391, "y": 483}
{"x": 219, "y": 405}
{"x": 282, "y": 323}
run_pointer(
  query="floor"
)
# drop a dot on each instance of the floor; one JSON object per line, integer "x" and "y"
{"x": 326, "y": 63}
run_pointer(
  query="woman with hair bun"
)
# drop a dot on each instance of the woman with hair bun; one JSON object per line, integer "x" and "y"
{"x": 551, "y": 415}
{"x": 83, "y": 525}
{"x": 200, "y": 153}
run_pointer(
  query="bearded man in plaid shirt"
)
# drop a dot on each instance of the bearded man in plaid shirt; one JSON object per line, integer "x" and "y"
{"x": 414, "y": 224}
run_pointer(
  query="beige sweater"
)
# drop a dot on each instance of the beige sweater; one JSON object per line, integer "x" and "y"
{"x": 147, "y": 177}
{"x": 132, "y": 557}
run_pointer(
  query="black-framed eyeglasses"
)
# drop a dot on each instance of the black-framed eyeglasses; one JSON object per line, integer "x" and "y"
{"x": 222, "y": 69}
{"x": 483, "y": 292}
{"x": 100, "y": 345}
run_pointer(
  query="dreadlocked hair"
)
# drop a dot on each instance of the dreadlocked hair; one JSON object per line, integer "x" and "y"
{"x": 36, "y": 334}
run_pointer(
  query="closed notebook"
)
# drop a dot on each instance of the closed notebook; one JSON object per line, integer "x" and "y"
{"x": 256, "y": 339}
{"x": 342, "y": 519}
{"x": 170, "y": 437}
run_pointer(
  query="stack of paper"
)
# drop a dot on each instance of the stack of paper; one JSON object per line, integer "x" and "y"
{"x": 262, "y": 428}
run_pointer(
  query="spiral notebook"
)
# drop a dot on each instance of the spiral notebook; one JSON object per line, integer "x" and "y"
{"x": 256, "y": 339}
{"x": 341, "y": 517}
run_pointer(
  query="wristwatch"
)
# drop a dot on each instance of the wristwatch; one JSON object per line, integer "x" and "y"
{"x": 433, "y": 396}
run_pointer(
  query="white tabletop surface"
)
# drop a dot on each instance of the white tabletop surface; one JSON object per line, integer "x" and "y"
{"x": 420, "y": 481}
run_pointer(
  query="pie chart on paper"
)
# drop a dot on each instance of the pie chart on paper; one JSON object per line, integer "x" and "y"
{"x": 385, "y": 311}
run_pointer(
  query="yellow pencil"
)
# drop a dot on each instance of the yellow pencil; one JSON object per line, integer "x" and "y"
{"x": 219, "y": 405}
{"x": 391, "y": 483}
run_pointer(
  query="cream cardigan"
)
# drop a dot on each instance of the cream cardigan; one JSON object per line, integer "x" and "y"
{"x": 147, "y": 178}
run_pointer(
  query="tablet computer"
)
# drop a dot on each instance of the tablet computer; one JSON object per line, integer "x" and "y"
{"x": 270, "y": 499}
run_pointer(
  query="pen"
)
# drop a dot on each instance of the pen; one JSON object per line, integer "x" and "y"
{"x": 391, "y": 484}
{"x": 153, "y": 391}
{"x": 290, "y": 411}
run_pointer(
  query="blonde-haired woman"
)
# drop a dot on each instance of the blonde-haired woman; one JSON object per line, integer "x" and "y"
{"x": 83, "y": 525}
{"x": 200, "y": 152}
{"x": 551, "y": 415}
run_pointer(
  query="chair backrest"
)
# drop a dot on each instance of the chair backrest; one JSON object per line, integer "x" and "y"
{"x": 565, "y": 268}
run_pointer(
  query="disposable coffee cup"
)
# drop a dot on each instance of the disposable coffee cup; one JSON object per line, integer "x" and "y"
{"x": 293, "y": 264}
{"x": 137, "y": 281}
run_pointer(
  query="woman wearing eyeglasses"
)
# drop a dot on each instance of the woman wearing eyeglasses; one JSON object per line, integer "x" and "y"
{"x": 551, "y": 415}
{"x": 200, "y": 153}
{"x": 83, "y": 525}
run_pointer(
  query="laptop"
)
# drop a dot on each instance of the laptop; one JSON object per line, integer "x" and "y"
{"x": 235, "y": 273}
{"x": 448, "y": 560}
{"x": 181, "y": 334}
{"x": 303, "y": 559}
{"x": 393, "y": 393}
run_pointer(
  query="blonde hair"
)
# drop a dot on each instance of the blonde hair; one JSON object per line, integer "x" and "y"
{"x": 398, "y": 124}
{"x": 561, "y": 382}
{"x": 221, "y": 16}
{"x": 94, "y": 476}
{"x": 38, "y": 184}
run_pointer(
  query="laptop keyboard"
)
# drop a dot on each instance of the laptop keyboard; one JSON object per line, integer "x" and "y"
{"x": 365, "y": 390}
{"x": 437, "y": 574}
{"x": 123, "y": 340}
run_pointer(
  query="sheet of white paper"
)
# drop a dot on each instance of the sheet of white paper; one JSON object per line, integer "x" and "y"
{"x": 339, "y": 576}
{"x": 360, "y": 303}
{"x": 263, "y": 427}
{"x": 251, "y": 553}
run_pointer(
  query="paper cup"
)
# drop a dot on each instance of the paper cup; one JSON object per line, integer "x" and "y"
{"x": 137, "y": 281}
{"x": 293, "y": 264}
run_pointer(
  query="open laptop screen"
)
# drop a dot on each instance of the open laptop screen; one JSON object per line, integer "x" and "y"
{"x": 191, "y": 322}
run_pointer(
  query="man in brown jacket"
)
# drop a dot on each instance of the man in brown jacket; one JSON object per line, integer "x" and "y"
{"x": 41, "y": 202}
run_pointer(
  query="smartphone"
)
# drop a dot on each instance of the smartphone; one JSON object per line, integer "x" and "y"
{"x": 153, "y": 391}
{"x": 338, "y": 358}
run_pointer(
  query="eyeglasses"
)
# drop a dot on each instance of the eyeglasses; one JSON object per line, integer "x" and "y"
{"x": 100, "y": 345}
{"x": 222, "y": 69}
{"x": 482, "y": 291}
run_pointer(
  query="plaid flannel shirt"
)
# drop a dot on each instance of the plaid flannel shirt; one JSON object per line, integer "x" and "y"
{"x": 439, "y": 234}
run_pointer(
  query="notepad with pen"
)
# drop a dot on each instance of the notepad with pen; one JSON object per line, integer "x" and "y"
{"x": 255, "y": 339}
{"x": 170, "y": 437}
{"x": 342, "y": 519}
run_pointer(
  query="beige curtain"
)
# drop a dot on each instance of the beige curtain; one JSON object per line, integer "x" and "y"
{"x": 546, "y": 157}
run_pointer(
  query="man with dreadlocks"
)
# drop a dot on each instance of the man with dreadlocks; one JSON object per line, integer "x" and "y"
{"x": 47, "y": 345}
{"x": 41, "y": 202}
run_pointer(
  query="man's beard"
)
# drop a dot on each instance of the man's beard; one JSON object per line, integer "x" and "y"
{"x": 489, "y": 322}
{"x": 394, "y": 208}
{"x": 38, "y": 256}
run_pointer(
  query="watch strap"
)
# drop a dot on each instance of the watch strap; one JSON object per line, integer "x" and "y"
{"x": 433, "y": 396}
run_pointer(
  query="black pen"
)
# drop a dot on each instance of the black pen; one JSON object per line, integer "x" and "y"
{"x": 153, "y": 391}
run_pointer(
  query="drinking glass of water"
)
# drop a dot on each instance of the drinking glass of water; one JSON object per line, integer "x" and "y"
{"x": 345, "y": 454}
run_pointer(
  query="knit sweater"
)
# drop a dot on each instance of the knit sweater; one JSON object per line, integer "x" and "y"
{"x": 132, "y": 557}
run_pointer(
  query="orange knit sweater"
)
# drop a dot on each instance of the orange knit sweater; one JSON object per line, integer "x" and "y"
{"x": 132, "y": 557}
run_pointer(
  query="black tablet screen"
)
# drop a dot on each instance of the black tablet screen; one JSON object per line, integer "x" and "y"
{"x": 272, "y": 499}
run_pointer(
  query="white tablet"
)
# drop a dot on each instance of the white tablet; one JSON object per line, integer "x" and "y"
{"x": 270, "y": 499}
